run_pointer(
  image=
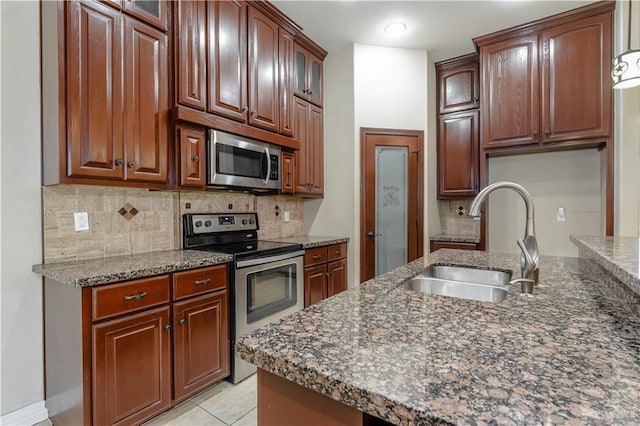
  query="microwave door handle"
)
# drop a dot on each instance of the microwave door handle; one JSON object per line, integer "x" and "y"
{"x": 266, "y": 151}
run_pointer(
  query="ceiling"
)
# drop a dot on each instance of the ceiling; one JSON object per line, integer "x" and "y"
{"x": 443, "y": 28}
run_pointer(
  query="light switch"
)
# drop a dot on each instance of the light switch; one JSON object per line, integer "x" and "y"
{"x": 561, "y": 215}
{"x": 286, "y": 215}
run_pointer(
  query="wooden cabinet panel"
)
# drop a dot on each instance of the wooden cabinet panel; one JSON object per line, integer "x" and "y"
{"x": 95, "y": 141}
{"x": 285, "y": 80}
{"x": 121, "y": 298}
{"x": 458, "y": 84}
{"x": 191, "y": 69}
{"x": 191, "y": 150}
{"x": 309, "y": 158}
{"x": 576, "y": 87}
{"x": 336, "y": 251}
{"x": 146, "y": 102}
{"x": 263, "y": 71}
{"x": 458, "y": 154}
{"x": 315, "y": 288}
{"x": 437, "y": 245}
{"x": 315, "y": 256}
{"x": 227, "y": 64}
{"x": 288, "y": 173}
{"x": 198, "y": 281}
{"x": 201, "y": 342}
{"x": 131, "y": 368}
{"x": 337, "y": 278}
{"x": 510, "y": 103}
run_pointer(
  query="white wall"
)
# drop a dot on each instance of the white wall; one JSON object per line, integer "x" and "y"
{"x": 569, "y": 179}
{"x": 627, "y": 133}
{"x": 20, "y": 289}
{"x": 366, "y": 86}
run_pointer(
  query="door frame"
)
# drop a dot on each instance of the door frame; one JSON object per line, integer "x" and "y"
{"x": 419, "y": 134}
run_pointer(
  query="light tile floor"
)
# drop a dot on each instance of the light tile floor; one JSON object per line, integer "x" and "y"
{"x": 223, "y": 404}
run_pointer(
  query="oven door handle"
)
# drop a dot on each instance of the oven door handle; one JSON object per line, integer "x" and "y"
{"x": 263, "y": 260}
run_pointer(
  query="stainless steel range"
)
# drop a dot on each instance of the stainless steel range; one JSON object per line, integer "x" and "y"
{"x": 267, "y": 279}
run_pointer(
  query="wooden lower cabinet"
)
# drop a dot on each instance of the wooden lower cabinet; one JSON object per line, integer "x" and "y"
{"x": 437, "y": 245}
{"x": 109, "y": 358}
{"x": 132, "y": 367}
{"x": 201, "y": 324}
{"x": 325, "y": 272}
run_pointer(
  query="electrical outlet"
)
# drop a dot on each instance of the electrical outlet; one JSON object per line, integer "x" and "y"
{"x": 286, "y": 215}
{"x": 81, "y": 220}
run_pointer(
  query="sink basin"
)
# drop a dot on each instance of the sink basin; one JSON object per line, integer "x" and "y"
{"x": 467, "y": 274}
{"x": 465, "y": 283}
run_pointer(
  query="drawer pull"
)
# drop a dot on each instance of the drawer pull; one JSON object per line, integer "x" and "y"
{"x": 182, "y": 321}
{"x": 317, "y": 256}
{"x": 202, "y": 282}
{"x": 136, "y": 296}
{"x": 337, "y": 251}
{"x": 167, "y": 327}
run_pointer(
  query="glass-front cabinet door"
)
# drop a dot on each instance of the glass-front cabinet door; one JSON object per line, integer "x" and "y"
{"x": 308, "y": 76}
{"x": 153, "y": 12}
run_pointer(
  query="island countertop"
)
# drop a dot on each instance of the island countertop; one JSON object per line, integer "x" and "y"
{"x": 569, "y": 355}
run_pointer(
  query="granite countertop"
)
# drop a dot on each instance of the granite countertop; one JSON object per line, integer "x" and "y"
{"x": 456, "y": 238}
{"x": 569, "y": 355}
{"x": 85, "y": 273}
{"x": 313, "y": 241}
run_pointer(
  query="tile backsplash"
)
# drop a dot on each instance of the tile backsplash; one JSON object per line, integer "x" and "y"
{"x": 454, "y": 219}
{"x": 127, "y": 221}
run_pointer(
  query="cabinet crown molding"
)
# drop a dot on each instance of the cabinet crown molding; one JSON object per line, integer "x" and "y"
{"x": 544, "y": 23}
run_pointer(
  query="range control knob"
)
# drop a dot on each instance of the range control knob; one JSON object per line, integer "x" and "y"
{"x": 251, "y": 221}
{"x": 244, "y": 221}
{"x": 198, "y": 223}
{"x": 207, "y": 223}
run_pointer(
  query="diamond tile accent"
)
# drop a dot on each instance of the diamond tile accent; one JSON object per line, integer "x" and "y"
{"x": 128, "y": 211}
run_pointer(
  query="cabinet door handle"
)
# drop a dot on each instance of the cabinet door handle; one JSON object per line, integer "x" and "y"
{"x": 317, "y": 256}
{"x": 136, "y": 296}
{"x": 309, "y": 92}
{"x": 547, "y": 132}
{"x": 535, "y": 133}
{"x": 476, "y": 99}
{"x": 195, "y": 158}
{"x": 202, "y": 282}
{"x": 182, "y": 321}
{"x": 245, "y": 109}
{"x": 132, "y": 163}
{"x": 167, "y": 327}
{"x": 119, "y": 162}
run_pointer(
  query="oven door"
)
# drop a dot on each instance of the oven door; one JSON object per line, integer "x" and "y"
{"x": 240, "y": 162}
{"x": 266, "y": 290}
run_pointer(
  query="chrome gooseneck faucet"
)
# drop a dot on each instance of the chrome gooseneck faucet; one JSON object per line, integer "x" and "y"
{"x": 530, "y": 257}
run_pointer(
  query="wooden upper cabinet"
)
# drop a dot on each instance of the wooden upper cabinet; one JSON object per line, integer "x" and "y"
{"x": 458, "y": 154}
{"x": 285, "y": 81}
{"x": 510, "y": 102}
{"x": 191, "y": 141}
{"x": 154, "y": 12}
{"x": 95, "y": 135}
{"x": 227, "y": 65}
{"x": 308, "y": 75}
{"x": 458, "y": 84}
{"x": 191, "y": 69}
{"x": 309, "y": 159}
{"x": 576, "y": 86}
{"x": 548, "y": 81}
{"x": 263, "y": 56}
{"x": 146, "y": 102}
{"x": 288, "y": 173}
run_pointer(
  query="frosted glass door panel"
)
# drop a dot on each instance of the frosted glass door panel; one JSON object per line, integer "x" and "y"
{"x": 391, "y": 207}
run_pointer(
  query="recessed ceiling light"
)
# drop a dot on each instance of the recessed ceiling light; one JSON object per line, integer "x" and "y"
{"x": 395, "y": 28}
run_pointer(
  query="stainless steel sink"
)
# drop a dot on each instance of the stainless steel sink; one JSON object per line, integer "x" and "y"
{"x": 465, "y": 283}
{"x": 467, "y": 274}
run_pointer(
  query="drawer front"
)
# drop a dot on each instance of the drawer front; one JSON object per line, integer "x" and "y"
{"x": 337, "y": 251}
{"x": 129, "y": 296}
{"x": 198, "y": 281}
{"x": 315, "y": 255}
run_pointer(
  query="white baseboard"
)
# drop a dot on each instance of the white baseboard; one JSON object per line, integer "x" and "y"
{"x": 26, "y": 416}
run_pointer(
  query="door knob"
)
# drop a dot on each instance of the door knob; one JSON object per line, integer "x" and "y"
{"x": 372, "y": 234}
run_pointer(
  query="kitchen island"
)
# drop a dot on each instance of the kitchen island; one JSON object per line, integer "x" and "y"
{"x": 568, "y": 355}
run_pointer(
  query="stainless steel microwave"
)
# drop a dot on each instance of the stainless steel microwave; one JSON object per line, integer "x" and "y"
{"x": 237, "y": 162}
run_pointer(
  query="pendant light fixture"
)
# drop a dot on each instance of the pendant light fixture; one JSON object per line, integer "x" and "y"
{"x": 626, "y": 66}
